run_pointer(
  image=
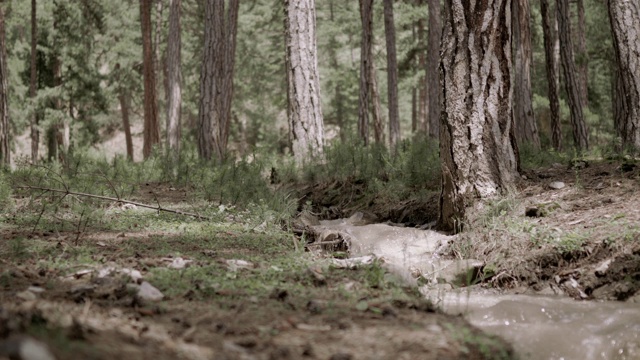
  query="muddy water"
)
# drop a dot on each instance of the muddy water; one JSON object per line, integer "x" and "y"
{"x": 539, "y": 327}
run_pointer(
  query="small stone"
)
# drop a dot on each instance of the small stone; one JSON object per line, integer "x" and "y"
{"x": 557, "y": 185}
{"x": 149, "y": 292}
{"x": 601, "y": 270}
{"x": 26, "y": 295}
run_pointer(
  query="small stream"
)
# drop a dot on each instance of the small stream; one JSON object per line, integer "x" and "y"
{"x": 539, "y": 327}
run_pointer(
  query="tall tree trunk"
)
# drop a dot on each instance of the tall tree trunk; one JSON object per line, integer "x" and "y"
{"x": 151, "y": 132}
{"x": 433, "y": 59}
{"x": 216, "y": 80}
{"x": 549, "y": 30}
{"x": 378, "y": 127}
{"x": 338, "y": 101}
{"x": 423, "y": 92}
{"x": 174, "y": 79}
{"x": 524, "y": 121}
{"x": 392, "y": 75}
{"x": 5, "y": 135}
{"x": 157, "y": 53}
{"x": 303, "y": 80}
{"x": 125, "y": 100}
{"x": 35, "y": 134}
{"x": 366, "y": 57}
{"x": 572, "y": 85}
{"x": 625, "y": 24}
{"x": 582, "y": 57}
{"x": 476, "y": 147}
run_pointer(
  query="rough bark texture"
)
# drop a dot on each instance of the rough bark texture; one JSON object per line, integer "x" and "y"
{"x": 366, "y": 58}
{"x": 422, "y": 121}
{"x": 433, "y": 59}
{"x": 151, "y": 132}
{"x": 125, "y": 100}
{"x": 549, "y": 30}
{"x": 5, "y": 137}
{"x": 376, "y": 109}
{"x": 476, "y": 147}
{"x": 392, "y": 74}
{"x": 216, "y": 79}
{"x": 35, "y": 135}
{"x": 572, "y": 84}
{"x": 157, "y": 55}
{"x": 174, "y": 78}
{"x": 524, "y": 120}
{"x": 305, "y": 113}
{"x": 582, "y": 57}
{"x": 625, "y": 23}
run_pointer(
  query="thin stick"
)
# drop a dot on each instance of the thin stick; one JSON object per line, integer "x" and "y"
{"x": 157, "y": 208}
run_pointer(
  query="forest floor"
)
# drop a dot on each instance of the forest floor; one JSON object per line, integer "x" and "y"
{"x": 241, "y": 286}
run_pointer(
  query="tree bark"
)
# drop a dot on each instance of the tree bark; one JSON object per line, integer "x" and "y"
{"x": 524, "y": 120}
{"x": 151, "y": 132}
{"x": 422, "y": 121}
{"x": 35, "y": 133}
{"x": 303, "y": 80}
{"x": 625, "y": 23}
{"x": 378, "y": 127}
{"x": 392, "y": 75}
{"x": 572, "y": 85}
{"x": 216, "y": 80}
{"x": 433, "y": 59}
{"x": 157, "y": 54}
{"x": 582, "y": 57}
{"x": 125, "y": 100}
{"x": 550, "y": 30}
{"x": 174, "y": 79}
{"x": 476, "y": 146}
{"x": 366, "y": 57}
{"x": 5, "y": 134}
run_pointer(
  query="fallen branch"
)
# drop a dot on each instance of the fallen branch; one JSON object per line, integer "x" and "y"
{"x": 108, "y": 198}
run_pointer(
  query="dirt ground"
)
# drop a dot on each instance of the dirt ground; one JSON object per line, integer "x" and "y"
{"x": 249, "y": 291}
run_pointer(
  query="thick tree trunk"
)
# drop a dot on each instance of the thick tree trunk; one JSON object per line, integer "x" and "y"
{"x": 550, "y": 30}
{"x": 125, "y": 100}
{"x": 476, "y": 144}
{"x": 582, "y": 57}
{"x": 35, "y": 134}
{"x": 433, "y": 59}
{"x": 5, "y": 134}
{"x": 174, "y": 79}
{"x": 392, "y": 75}
{"x": 572, "y": 84}
{"x": 625, "y": 23}
{"x": 366, "y": 58}
{"x": 524, "y": 121}
{"x": 216, "y": 80}
{"x": 151, "y": 132}
{"x": 305, "y": 113}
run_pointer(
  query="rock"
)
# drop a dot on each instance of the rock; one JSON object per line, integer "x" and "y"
{"x": 178, "y": 263}
{"x": 25, "y": 348}
{"x": 601, "y": 270}
{"x": 557, "y": 185}
{"x": 26, "y": 295}
{"x": 149, "y": 292}
{"x": 235, "y": 265}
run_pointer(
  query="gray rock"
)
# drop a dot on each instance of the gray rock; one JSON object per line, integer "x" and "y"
{"x": 149, "y": 292}
{"x": 557, "y": 185}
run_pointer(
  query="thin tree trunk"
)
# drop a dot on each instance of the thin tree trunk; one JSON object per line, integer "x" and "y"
{"x": 423, "y": 94}
{"x": 151, "y": 132}
{"x": 549, "y": 30}
{"x": 157, "y": 54}
{"x": 572, "y": 85}
{"x": 338, "y": 101}
{"x": 582, "y": 57}
{"x": 303, "y": 80}
{"x": 392, "y": 75}
{"x": 625, "y": 23}
{"x": 476, "y": 144}
{"x": 5, "y": 135}
{"x": 524, "y": 121}
{"x": 366, "y": 56}
{"x": 174, "y": 79}
{"x": 414, "y": 110}
{"x": 433, "y": 59}
{"x": 125, "y": 100}
{"x": 378, "y": 127}
{"x": 35, "y": 134}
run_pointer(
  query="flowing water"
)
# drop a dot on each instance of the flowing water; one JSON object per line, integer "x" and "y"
{"x": 539, "y": 327}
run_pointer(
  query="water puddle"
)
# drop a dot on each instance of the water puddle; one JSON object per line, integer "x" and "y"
{"x": 539, "y": 327}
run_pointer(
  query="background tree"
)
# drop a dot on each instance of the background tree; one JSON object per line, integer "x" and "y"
{"x": 174, "y": 78}
{"x": 571, "y": 80}
{"x": 433, "y": 58}
{"x": 551, "y": 47}
{"x": 5, "y": 135}
{"x": 392, "y": 74}
{"x": 476, "y": 147}
{"x": 525, "y": 125}
{"x": 35, "y": 133}
{"x": 625, "y": 23}
{"x": 369, "y": 97}
{"x": 305, "y": 113}
{"x": 216, "y": 81}
{"x": 151, "y": 129}
{"x": 582, "y": 56}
